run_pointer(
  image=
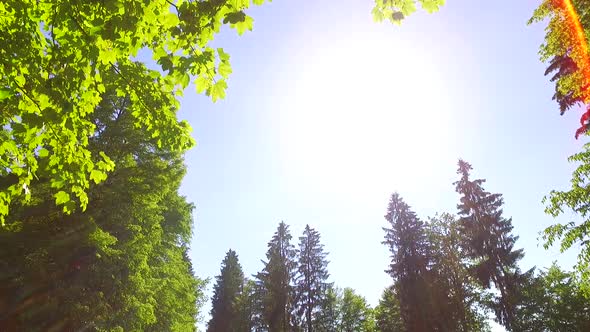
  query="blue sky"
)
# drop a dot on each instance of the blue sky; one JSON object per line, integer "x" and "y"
{"x": 327, "y": 113}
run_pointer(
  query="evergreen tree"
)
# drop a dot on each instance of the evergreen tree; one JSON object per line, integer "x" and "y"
{"x": 224, "y": 314}
{"x": 276, "y": 280}
{"x": 489, "y": 244}
{"x": 258, "y": 295}
{"x": 407, "y": 242}
{"x": 312, "y": 275}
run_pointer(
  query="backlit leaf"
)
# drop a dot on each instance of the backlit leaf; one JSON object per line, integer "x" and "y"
{"x": 61, "y": 197}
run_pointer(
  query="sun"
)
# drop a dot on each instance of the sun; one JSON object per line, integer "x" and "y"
{"x": 363, "y": 114}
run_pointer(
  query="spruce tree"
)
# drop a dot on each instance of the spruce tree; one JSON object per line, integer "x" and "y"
{"x": 276, "y": 280}
{"x": 312, "y": 275}
{"x": 407, "y": 242}
{"x": 225, "y": 316}
{"x": 489, "y": 244}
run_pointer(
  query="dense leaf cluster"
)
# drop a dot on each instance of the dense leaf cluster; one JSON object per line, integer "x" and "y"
{"x": 566, "y": 49}
{"x": 58, "y": 58}
{"x": 122, "y": 265}
{"x": 396, "y": 10}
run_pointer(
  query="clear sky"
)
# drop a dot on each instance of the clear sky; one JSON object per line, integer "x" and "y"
{"x": 328, "y": 113}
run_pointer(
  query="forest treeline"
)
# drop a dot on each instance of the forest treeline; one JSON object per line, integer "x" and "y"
{"x": 94, "y": 235}
{"x": 450, "y": 272}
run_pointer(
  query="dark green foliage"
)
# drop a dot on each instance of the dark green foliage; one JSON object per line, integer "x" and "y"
{"x": 258, "y": 318}
{"x": 489, "y": 244}
{"x": 561, "y": 66}
{"x": 328, "y": 318}
{"x": 433, "y": 289}
{"x": 355, "y": 314}
{"x": 387, "y": 313}
{"x": 456, "y": 295}
{"x": 312, "y": 275}
{"x": 410, "y": 257}
{"x": 574, "y": 233}
{"x": 121, "y": 265}
{"x": 245, "y": 306}
{"x": 276, "y": 281}
{"x": 225, "y": 311}
{"x": 553, "y": 301}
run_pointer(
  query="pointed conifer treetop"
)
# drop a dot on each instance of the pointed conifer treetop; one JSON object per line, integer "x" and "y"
{"x": 228, "y": 286}
{"x": 488, "y": 242}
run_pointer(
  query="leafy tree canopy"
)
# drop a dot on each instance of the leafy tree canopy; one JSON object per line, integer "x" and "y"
{"x": 396, "y": 10}
{"x": 58, "y": 58}
{"x": 120, "y": 265}
{"x": 566, "y": 50}
{"x": 575, "y": 199}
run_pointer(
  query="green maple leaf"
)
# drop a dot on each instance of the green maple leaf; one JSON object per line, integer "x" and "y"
{"x": 246, "y": 24}
{"x": 97, "y": 176}
{"x": 202, "y": 83}
{"x": 218, "y": 90}
{"x": 225, "y": 69}
{"x": 61, "y": 197}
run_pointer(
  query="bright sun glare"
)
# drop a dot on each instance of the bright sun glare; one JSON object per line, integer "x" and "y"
{"x": 365, "y": 116}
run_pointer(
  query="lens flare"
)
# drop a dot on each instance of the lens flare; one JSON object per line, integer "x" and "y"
{"x": 578, "y": 53}
{"x": 579, "y": 43}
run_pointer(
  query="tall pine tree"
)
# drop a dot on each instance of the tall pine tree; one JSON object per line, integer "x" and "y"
{"x": 407, "y": 242}
{"x": 225, "y": 314}
{"x": 489, "y": 244}
{"x": 312, "y": 275}
{"x": 276, "y": 281}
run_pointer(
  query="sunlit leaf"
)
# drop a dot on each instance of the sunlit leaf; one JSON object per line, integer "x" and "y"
{"x": 5, "y": 94}
{"x": 225, "y": 69}
{"x": 43, "y": 153}
{"x": 218, "y": 90}
{"x": 61, "y": 197}
{"x": 97, "y": 176}
{"x": 202, "y": 83}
